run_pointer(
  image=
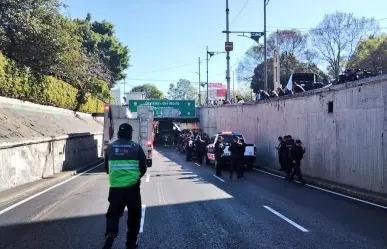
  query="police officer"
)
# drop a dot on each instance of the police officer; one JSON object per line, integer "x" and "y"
{"x": 234, "y": 149}
{"x": 125, "y": 162}
{"x": 296, "y": 154}
{"x": 219, "y": 150}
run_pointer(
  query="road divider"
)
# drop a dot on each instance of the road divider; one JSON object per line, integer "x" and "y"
{"x": 287, "y": 219}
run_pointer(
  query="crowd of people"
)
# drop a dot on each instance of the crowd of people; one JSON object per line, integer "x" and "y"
{"x": 194, "y": 147}
{"x": 290, "y": 154}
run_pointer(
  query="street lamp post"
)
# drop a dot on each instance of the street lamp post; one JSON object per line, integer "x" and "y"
{"x": 208, "y": 58}
{"x": 200, "y": 99}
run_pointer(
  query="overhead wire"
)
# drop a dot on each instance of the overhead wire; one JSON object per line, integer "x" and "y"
{"x": 240, "y": 11}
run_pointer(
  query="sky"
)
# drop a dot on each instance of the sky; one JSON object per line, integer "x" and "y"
{"x": 166, "y": 37}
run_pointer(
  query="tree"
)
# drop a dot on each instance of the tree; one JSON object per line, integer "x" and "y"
{"x": 371, "y": 54}
{"x": 243, "y": 93}
{"x": 337, "y": 36}
{"x": 34, "y": 34}
{"x": 290, "y": 43}
{"x": 151, "y": 91}
{"x": 183, "y": 90}
{"x": 99, "y": 38}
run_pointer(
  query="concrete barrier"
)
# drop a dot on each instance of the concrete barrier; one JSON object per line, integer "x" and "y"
{"x": 343, "y": 128}
{"x": 38, "y": 141}
{"x": 31, "y": 160}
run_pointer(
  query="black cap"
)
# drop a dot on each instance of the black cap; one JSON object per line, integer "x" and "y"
{"x": 298, "y": 142}
{"x": 125, "y": 127}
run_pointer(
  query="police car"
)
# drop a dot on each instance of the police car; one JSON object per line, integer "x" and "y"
{"x": 228, "y": 137}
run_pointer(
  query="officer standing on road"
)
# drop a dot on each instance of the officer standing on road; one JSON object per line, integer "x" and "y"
{"x": 125, "y": 162}
{"x": 280, "y": 145}
{"x": 241, "y": 156}
{"x": 200, "y": 146}
{"x": 297, "y": 153}
{"x": 290, "y": 165}
{"x": 234, "y": 149}
{"x": 219, "y": 150}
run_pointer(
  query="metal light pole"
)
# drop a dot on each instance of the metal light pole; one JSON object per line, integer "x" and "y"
{"x": 208, "y": 53}
{"x": 200, "y": 99}
{"x": 207, "y": 77}
{"x": 228, "y": 52}
{"x": 264, "y": 41}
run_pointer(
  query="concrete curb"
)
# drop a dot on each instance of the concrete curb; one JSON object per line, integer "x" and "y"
{"x": 345, "y": 190}
{"x": 11, "y": 195}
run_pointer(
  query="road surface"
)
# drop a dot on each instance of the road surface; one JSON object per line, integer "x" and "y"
{"x": 187, "y": 207}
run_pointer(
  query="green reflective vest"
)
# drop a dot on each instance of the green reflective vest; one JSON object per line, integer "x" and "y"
{"x": 124, "y": 167}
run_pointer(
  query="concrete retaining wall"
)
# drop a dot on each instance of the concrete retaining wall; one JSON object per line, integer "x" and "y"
{"x": 38, "y": 141}
{"x": 348, "y": 146}
{"x": 32, "y": 160}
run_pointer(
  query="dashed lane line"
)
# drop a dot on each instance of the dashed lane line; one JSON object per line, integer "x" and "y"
{"x": 287, "y": 219}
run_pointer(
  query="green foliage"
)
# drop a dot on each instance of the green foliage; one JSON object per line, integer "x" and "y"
{"x": 39, "y": 41}
{"x": 98, "y": 39}
{"x": 151, "y": 91}
{"x": 371, "y": 54}
{"x": 46, "y": 90}
{"x": 244, "y": 93}
{"x": 183, "y": 90}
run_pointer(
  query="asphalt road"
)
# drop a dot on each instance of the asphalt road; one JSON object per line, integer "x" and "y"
{"x": 187, "y": 207}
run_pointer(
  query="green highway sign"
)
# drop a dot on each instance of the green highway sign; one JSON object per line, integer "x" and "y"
{"x": 167, "y": 108}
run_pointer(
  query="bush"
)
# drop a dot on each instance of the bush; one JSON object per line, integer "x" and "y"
{"x": 45, "y": 90}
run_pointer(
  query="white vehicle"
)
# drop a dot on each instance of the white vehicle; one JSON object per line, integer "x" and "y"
{"x": 115, "y": 115}
{"x": 250, "y": 152}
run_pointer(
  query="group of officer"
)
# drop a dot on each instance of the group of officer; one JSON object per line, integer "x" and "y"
{"x": 194, "y": 146}
{"x": 237, "y": 150}
{"x": 290, "y": 154}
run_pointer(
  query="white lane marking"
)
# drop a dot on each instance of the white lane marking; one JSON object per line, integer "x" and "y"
{"x": 147, "y": 177}
{"x": 287, "y": 219}
{"x": 217, "y": 177}
{"x": 198, "y": 164}
{"x": 45, "y": 191}
{"x": 329, "y": 191}
{"x": 142, "y": 218}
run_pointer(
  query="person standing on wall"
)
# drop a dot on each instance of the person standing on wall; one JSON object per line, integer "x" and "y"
{"x": 219, "y": 150}
{"x": 297, "y": 154}
{"x": 125, "y": 162}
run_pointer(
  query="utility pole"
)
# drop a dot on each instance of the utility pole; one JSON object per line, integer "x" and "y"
{"x": 200, "y": 99}
{"x": 264, "y": 41}
{"x": 207, "y": 76}
{"x": 233, "y": 85}
{"x": 228, "y": 52}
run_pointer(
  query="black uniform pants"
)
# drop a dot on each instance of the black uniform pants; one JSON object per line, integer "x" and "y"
{"x": 235, "y": 162}
{"x": 119, "y": 198}
{"x": 219, "y": 165}
{"x": 297, "y": 171}
{"x": 281, "y": 161}
{"x": 240, "y": 167}
{"x": 200, "y": 157}
{"x": 188, "y": 152}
